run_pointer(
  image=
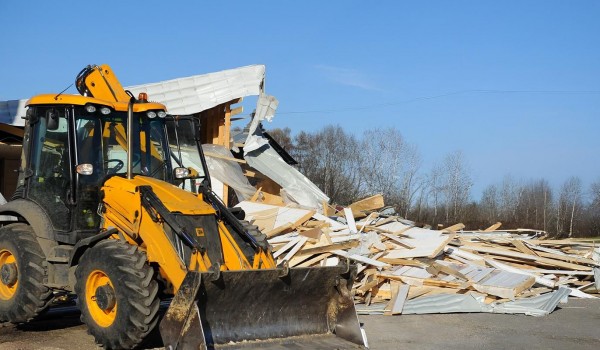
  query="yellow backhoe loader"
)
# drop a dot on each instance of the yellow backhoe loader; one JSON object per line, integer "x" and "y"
{"x": 97, "y": 214}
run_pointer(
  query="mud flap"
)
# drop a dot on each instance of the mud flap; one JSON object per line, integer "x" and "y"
{"x": 262, "y": 306}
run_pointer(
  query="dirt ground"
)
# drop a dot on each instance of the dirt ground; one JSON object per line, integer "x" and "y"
{"x": 573, "y": 326}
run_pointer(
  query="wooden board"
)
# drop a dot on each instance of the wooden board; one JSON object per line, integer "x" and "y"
{"x": 370, "y": 203}
{"x": 504, "y": 284}
{"x": 400, "y": 293}
{"x": 426, "y": 247}
{"x": 285, "y": 217}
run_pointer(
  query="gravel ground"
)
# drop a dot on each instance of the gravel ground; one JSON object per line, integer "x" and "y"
{"x": 574, "y": 326}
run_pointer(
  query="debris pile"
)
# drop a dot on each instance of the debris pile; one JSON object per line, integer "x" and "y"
{"x": 404, "y": 269}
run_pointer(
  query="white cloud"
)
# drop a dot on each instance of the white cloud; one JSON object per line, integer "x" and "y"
{"x": 348, "y": 76}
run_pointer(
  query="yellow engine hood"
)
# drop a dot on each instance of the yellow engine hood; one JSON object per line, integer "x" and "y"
{"x": 173, "y": 197}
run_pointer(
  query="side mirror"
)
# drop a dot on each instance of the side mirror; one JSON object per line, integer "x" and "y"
{"x": 84, "y": 169}
{"x": 185, "y": 173}
{"x": 52, "y": 119}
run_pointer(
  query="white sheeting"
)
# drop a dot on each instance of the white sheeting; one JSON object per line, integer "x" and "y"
{"x": 184, "y": 96}
{"x": 227, "y": 171}
{"x": 12, "y": 112}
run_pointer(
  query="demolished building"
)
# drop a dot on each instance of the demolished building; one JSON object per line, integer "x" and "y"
{"x": 403, "y": 269}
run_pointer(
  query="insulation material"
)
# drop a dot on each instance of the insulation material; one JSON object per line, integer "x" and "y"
{"x": 227, "y": 172}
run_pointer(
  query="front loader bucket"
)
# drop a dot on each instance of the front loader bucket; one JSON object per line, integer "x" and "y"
{"x": 297, "y": 308}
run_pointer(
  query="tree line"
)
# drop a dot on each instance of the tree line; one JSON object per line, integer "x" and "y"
{"x": 348, "y": 168}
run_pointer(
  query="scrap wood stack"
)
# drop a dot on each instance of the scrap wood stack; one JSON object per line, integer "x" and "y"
{"x": 403, "y": 269}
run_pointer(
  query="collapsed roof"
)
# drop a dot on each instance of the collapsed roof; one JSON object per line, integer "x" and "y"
{"x": 210, "y": 97}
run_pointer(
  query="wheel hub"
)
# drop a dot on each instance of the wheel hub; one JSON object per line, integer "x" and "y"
{"x": 9, "y": 274}
{"x": 105, "y": 297}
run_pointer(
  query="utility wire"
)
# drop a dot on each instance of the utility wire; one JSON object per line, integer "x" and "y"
{"x": 461, "y": 92}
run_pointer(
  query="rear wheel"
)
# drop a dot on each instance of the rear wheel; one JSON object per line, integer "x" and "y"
{"x": 23, "y": 294}
{"x": 117, "y": 294}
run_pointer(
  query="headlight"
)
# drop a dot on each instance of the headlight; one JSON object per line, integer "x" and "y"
{"x": 90, "y": 108}
{"x": 105, "y": 110}
{"x": 151, "y": 114}
{"x": 162, "y": 114}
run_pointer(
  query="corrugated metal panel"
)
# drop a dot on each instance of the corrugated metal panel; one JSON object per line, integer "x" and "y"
{"x": 445, "y": 304}
{"x": 12, "y": 111}
{"x": 456, "y": 303}
{"x": 182, "y": 96}
{"x": 197, "y": 93}
{"x": 535, "y": 306}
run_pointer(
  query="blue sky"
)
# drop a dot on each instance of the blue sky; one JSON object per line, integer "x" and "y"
{"x": 515, "y": 85}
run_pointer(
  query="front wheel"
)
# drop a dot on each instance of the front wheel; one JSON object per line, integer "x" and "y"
{"x": 23, "y": 294}
{"x": 117, "y": 294}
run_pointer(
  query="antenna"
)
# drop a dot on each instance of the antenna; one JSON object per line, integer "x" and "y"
{"x": 60, "y": 93}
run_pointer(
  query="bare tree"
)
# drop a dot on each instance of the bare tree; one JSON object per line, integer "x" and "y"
{"x": 511, "y": 193}
{"x": 489, "y": 204}
{"x": 283, "y": 138}
{"x": 331, "y": 159}
{"x": 435, "y": 183}
{"x": 569, "y": 204}
{"x": 457, "y": 186}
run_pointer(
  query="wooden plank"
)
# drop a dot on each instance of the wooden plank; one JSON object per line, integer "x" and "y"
{"x": 360, "y": 258}
{"x": 537, "y": 259}
{"x": 404, "y": 262}
{"x": 555, "y": 254}
{"x": 504, "y": 284}
{"x": 286, "y": 218}
{"x": 415, "y": 292}
{"x": 494, "y": 227}
{"x": 350, "y": 220}
{"x": 265, "y": 220}
{"x": 385, "y": 221}
{"x": 295, "y": 249}
{"x": 313, "y": 234}
{"x": 328, "y": 248}
{"x": 413, "y": 281}
{"x": 402, "y": 242}
{"x": 286, "y": 247}
{"x": 255, "y": 195}
{"x": 220, "y": 156}
{"x": 278, "y": 230}
{"x": 314, "y": 260}
{"x": 370, "y": 203}
{"x": 426, "y": 247}
{"x": 522, "y": 247}
{"x": 371, "y": 284}
{"x": 454, "y": 228}
{"x": 449, "y": 271}
{"x": 399, "y": 293}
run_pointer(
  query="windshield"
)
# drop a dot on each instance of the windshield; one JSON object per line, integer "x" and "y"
{"x": 184, "y": 148}
{"x": 102, "y": 142}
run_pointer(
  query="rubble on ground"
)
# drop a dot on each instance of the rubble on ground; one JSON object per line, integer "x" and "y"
{"x": 405, "y": 269}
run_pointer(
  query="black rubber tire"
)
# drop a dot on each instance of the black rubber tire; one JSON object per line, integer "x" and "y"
{"x": 18, "y": 194}
{"x": 253, "y": 230}
{"x": 31, "y": 297}
{"x": 135, "y": 288}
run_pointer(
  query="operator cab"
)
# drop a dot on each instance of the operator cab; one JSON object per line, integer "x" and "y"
{"x": 71, "y": 149}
